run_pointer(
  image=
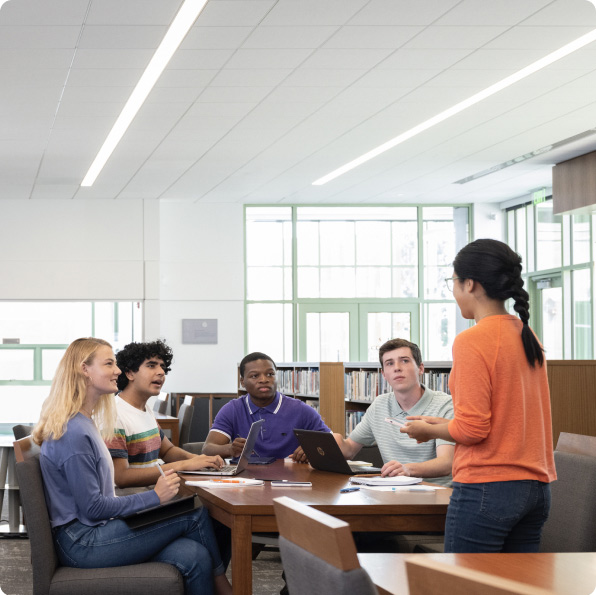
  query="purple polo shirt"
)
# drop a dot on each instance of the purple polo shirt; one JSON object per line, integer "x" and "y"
{"x": 281, "y": 417}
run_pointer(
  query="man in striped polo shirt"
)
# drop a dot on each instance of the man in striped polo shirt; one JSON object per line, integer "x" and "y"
{"x": 139, "y": 442}
{"x": 401, "y": 366}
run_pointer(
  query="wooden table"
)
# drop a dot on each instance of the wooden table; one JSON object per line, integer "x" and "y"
{"x": 248, "y": 510}
{"x": 565, "y": 574}
{"x": 168, "y": 422}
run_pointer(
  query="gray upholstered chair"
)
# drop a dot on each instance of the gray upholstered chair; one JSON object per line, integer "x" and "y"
{"x": 21, "y": 430}
{"x": 196, "y": 448}
{"x": 185, "y": 414}
{"x": 317, "y": 552}
{"x": 571, "y": 526}
{"x": 51, "y": 578}
{"x": 160, "y": 406}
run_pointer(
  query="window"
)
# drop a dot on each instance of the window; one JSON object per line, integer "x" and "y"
{"x": 322, "y": 281}
{"x": 558, "y": 276}
{"x": 34, "y": 338}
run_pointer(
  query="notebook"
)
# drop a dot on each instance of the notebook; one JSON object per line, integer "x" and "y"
{"x": 244, "y": 459}
{"x": 324, "y": 454}
{"x": 162, "y": 512}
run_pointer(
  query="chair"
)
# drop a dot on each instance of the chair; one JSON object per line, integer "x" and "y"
{"x": 427, "y": 576}
{"x": 317, "y": 551}
{"x": 20, "y": 431}
{"x": 185, "y": 414}
{"x": 160, "y": 406}
{"x": 576, "y": 443}
{"x": 571, "y": 525}
{"x": 49, "y": 576}
{"x": 196, "y": 448}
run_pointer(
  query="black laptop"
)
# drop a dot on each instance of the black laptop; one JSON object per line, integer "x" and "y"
{"x": 324, "y": 454}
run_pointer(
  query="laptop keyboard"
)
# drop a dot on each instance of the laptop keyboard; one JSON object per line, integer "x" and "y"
{"x": 227, "y": 468}
{"x": 371, "y": 470}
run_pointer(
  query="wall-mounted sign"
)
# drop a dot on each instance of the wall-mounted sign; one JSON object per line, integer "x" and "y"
{"x": 199, "y": 331}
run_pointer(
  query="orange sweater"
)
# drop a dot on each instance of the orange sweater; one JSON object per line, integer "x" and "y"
{"x": 502, "y": 422}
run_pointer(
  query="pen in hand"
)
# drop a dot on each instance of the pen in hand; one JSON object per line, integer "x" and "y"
{"x": 160, "y": 470}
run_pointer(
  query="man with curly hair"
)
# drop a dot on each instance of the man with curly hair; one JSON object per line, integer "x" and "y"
{"x": 139, "y": 442}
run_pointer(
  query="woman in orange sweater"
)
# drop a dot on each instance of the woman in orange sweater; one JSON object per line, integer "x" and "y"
{"x": 503, "y": 459}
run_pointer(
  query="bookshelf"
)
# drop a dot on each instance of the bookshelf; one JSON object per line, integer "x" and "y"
{"x": 344, "y": 390}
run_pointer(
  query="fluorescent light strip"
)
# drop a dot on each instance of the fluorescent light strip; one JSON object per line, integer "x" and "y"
{"x": 579, "y": 43}
{"x": 180, "y": 26}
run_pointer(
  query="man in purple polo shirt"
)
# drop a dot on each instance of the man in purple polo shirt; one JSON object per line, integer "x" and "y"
{"x": 281, "y": 414}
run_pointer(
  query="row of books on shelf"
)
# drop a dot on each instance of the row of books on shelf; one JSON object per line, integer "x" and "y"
{"x": 303, "y": 382}
{"x": 364, "y": 385}
{"x": 314, "y": 403}
{"x": 436, "y": 381}
{"x": 352, "y": 420}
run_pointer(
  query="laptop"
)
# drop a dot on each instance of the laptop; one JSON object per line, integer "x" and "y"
{"x": 324, "y": 454}
{"x": 244, "y": 459}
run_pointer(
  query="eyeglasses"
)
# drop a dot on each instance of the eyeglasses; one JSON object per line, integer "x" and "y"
{"x": 449, "y": 282}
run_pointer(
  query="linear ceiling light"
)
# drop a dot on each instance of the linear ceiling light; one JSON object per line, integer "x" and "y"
{"x": 180, "y": 26}
{"x": 579, "y": 43}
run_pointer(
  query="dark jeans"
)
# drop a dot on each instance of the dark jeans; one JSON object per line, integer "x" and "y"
{"x": 499, "y": 516}
{"x": 187, "y": 542}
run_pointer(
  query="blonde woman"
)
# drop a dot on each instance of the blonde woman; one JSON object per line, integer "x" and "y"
{"x": 79, "y": 482}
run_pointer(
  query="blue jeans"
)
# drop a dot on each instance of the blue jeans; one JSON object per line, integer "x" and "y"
{"x": 187, "y": 542}
{"x": 499, "y": 516}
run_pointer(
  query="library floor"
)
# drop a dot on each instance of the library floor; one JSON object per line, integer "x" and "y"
{"x": 15, "y": 568}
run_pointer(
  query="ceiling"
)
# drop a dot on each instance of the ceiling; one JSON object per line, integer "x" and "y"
{"x": 265, "y": 96}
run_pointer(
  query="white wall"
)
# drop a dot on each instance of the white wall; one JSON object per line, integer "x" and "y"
{"x": 184, "y": 260}
{"x": 202, "y": 276}
{"x": 488, "y": 221}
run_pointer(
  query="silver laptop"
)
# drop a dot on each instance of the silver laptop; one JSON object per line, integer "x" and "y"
{"x": 244, "y": 459}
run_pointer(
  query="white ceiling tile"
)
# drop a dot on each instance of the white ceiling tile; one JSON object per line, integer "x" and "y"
{"x": 412, "y": 59}
{"x": 101, "y": 77}
{"x": 132, "y": 12}
{"x": 215, "y": 38}
{"x": 233, "y": 94}
{"x": 41, "y": 58}
{"x": 200, "y": 59}
{"x": 470, "y": 13}
{"x": 532, "y": 38}
{"x": 312, "y": 12}
{"x": 564, "y": 13}
{"x": 37, "y": 37}
{"x": 130, "y": 58}
{"x": 250, "y": 78}
{"x": 357, "y": 59}
{"x": 233, "y": 13}
{"x": 288, "y": 37}
{"x": 185, "y": 78}
{"x": 404, "y": 13}
{"x": 278, "y": 58}
{"x": 368, "y": 37}
{"x": 27, "y": 13}
{"x": 121, "y": 37}
{"x": 320, "y": 77}
{"x": 449, "y": 38}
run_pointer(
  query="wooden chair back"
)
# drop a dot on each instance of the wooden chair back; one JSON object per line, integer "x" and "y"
{"x": 321, "y": 534}
{"x": 577, "y": 444}
{"x": 430, "y": 577}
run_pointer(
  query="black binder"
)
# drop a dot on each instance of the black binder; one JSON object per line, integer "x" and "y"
{"x": 155, "y": 514}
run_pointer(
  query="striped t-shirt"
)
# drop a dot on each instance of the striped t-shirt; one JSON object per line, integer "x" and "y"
{"x": 394, "y": 445}
{"x": 137, "y": 436}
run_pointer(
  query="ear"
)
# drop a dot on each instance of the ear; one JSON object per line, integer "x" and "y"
{"x": 420, "y": 369}
{"x": 130, "y": 375}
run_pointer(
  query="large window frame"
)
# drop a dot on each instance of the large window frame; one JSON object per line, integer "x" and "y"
{"x": 573, "y": 257}
{"x": 418, "y": 304}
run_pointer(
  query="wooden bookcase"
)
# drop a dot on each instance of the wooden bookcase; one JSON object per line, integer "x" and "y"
{"x": 573, "y": 396}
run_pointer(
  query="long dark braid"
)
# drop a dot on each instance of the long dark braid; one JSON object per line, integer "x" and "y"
{"x": 498, "y": 269}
